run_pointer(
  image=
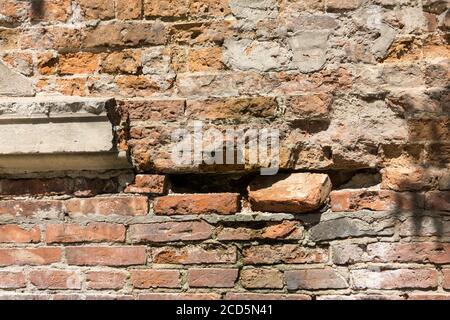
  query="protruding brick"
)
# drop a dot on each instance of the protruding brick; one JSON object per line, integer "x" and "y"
{"x": 149, "y": 183}
{"x": 395, "y": 279}
{"x": 194, "y": 255}
{"x": 106, "y": 256}
{"x": 219, "y": 203}
{"x": 99, "y": 280}
{"x": 296, "y": 192}
{"x": 29, "y": 256}
{"x": 315, "y": 279}
{"x": 288, "y": 253}
{"x": 93, "y": 232}
{"x": 124, "y": 206}
{"x": 376, "y": 200}
{"x": 55, "y": 279}
{"x": 212, "y": 278}
{"x": 12, "y": 280}
{"x": 170, "y": 231}
{"x": 144, "y": 279}
{"x": 17, "y": 234}
{"x": 253, "y": 278}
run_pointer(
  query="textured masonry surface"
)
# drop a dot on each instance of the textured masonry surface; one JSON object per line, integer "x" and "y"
{"x": 91, "y": 206}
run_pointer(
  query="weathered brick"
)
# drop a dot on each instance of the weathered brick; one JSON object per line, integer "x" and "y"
{"x": 29, "y": 256}
{"x": 124, "y": 206}
{"x": 126, "y": 61}
{"x": 395, "y": 279}
{"x": 149, "y": 183}
{"x": 437, "y": 200}
{"x": 446, "y": 280}
{"x": 99, "y": 280}
{"x": 128, "y": 9}
{"x": 144, "y": 279}
{"x": 284, "y": 230}
{"x": 212, "y": 278}
{"x": 32, "y": 208}
{"x": 428, "y": 296}
{"x": 315, "y": 279}
{"x": 338, "y": 5}
{"x": 219, "y": 203}
{"x": 52, "y": 37}
{"x": 165, "y": 8}
{"x": 231, "y": 108}
{"x": 265, "y": 296}
{"x": 97, "y": 9}
{"x": 308, "y": 107}
{"x": 422, "y": 225}
{"x": 296, "y": 192}
{"x": 81, "y": 62}
{"x": 13, "y": 12}
{"x": 252, "y": 278}
{"x": 153, "y": 110}
{"x": 12, "y": 280}
{"x": 179, "y": 296}
{"x": 422, "y": 252}
{"x": 51, "y": 10}
{"x": 106, "y": 256}
{"x": 93, "y": 232}
{"x": 407, "y": 178}
{"x": 205, "y": 59}
{"x": 170, "y": 231}
{"x": 376, "y": 200}
{"x": 55, "y": 279}
{"x": 288, "y": 253}
{"x": 346, "y": 227}
{"x": 16, "y": 234}
{"x": 194, "y": 255}
{"x": 125, "y": 34}
{"x": 209, "y": 8}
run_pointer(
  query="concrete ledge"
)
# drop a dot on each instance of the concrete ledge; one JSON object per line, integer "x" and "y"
{"x": 29, "y": 163}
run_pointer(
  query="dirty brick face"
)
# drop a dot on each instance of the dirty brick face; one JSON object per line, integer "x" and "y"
{"x": 92, "y": 205}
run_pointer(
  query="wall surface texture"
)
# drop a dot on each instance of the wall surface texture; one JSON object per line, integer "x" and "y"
{"x": 93, "y": 207}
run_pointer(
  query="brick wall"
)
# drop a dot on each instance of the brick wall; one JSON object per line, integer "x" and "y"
{"x": 359, "y": 90}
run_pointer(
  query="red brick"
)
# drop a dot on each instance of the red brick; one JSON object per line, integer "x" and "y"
{"x": 265, "y": 296}
{"x": 124, "y": 206}
{"x": 16, "y": 234}
{"x": 438, "y": 200}
{"x": 422, "y": 252}
{"x": 148, "y": 183}
{"x": 106, "y": 256}
{"x": 315, "y": 279}
{"x": 93, "y": 232}
{"x": 252, "y": 278}
{"x": 12, "y": 280}
{"x": 29, "y": 256}
{"x": 288, "y": 253}
{"x": 32, "y": 208}
{"x": 395, "y": 279}
{"x": 219, "y": 203}
{"x": 179, "y": 296}
{"x": 212, "y": 278}
{"x": 144, "y": 279}
{"x": 170, "y": 231}
{"x": 294, "y": 193}
{"x": 153, "y": 110}
{"x": 446, "y": 281}
{"x": 376, "y": 200}
{"x": 99, "y": 280}
{"x": 428, "y": 296}
{"x": 193, "y": 255}
{"x": 55, "y": 279}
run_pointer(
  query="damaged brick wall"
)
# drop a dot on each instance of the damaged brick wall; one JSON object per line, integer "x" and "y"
{"x": 359, "y": 90}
